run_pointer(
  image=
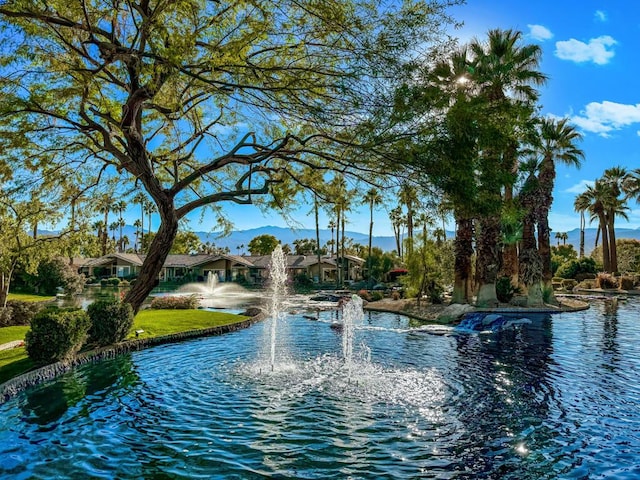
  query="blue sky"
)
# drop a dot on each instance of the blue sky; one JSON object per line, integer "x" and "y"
{"x": 592, "y": 57}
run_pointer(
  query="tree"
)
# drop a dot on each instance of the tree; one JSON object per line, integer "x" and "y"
{"x": 120, "y": 206}
{"x": 397, "y": 222}
{"x": 371, "y": 198}
{"x": 141, "y": 199}
{"x": 581, "y": 205}
{"x": 263, "y": 245}
{"x": 138, "y": 88}
{"x": 557, "y": 142}
{"x": 507, "y": 73}
{"x": 595, "y": 197}
{"x": 615, "y": 206}
{"x": 307, "y": 246}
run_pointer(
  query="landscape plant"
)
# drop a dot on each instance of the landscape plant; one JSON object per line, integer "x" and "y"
{"x": 56, "y": 334}
{"x": 111, "y": 321}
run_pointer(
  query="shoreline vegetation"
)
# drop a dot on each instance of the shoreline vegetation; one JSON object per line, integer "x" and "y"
{"x": 154, "y": 327}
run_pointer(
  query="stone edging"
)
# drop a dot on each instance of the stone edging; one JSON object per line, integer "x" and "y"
{"x": 17, "y": 384}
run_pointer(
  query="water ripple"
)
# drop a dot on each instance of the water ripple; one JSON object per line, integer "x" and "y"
{"x": 558, "y": 398}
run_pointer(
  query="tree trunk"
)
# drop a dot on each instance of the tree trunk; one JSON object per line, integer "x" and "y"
{"x": 582, "y": 225}
{"x": 463, "y": 248}
{"x": 613, "y": 248}
{"x": 606, "y": 258}
{"x": 530, "y": 264}
{"x": 154, "y": 261}
{"x": 369, "y": 285}
{"x": 315, "y": 205}
{"x": 544, "y": 250}
{"x": 5, "y": 280}
{"x": 488, "y": 261}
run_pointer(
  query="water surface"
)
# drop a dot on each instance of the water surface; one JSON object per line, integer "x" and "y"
{"x": 557, "y": 398}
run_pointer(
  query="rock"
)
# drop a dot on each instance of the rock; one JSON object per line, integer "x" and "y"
{"x": 454, "y": 311}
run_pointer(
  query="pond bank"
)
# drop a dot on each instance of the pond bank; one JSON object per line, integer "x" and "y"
{"x": 437, "y": 313}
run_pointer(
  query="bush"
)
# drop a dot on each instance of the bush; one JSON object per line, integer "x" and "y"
{"x": 113, "y": 281}
{"x": 57, "y": 273}
{"x": 626, "y": 283}
{"x": 375, "y": 296}
{"x": 572, "y": 268}
{"x": 175, "y": 303}
{"x": 364, "y": 295}
{"x": 56, "y": 334}
{"x": 19, "y": 313}
{"x": 395, "y": 295}
{"x": 505, "y": 290}
{"x": 606, "y": 280}
{"x": 110, "y": 321}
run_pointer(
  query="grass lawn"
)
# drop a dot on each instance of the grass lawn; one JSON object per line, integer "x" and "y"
{"x": 155, "y": 323}
{"x": 30, "y": 297}
{"x": 9, "y": 334}
{"x": 165, "y": 322}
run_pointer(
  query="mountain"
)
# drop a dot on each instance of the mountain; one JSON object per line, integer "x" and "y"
{"x": 590, "y": 237}
{"x": 386, "y": 243}
{"x": 287, "y": 236}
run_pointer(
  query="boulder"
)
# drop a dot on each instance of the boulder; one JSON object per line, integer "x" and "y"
{"x": 453, "y": 312}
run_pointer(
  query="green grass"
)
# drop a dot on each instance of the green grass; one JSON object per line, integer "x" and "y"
{"x": 155, "y": 323}
{"x": 13, "y": 362}
{"x": 9, "y": 334}
{"x": 29, "y": 297}
{"x": 165, "y": 322}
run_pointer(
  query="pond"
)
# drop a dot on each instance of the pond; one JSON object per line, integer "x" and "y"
{"x": 556, "y": 398}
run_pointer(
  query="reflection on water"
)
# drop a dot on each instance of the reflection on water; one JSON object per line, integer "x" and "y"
{"x": 557, "y": 398}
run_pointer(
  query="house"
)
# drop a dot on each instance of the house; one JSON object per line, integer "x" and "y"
{"x": 227, "y": 268}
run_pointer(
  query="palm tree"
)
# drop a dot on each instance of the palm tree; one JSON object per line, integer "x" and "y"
{"x": 332, "y": 226}
{"x": 397, "y": 221}
{"x": 372, "y": 198}
{"x": 529, "y": 261}
{"x": 631, "y": 184}
{"x": 615, "y": 206}
{"x": 141, "y": 199}
{"x": 596, "y": 196}
{"x": 557, "y": 142}
{"x": 104, "y": 205}
{"x": 501, "y": 66}
{"x": 138, "y": 224}
{"x": 409, "y": 197}
{"x": 581, "y": 205}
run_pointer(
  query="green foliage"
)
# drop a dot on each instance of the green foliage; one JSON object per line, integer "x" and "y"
{"x": 430, "y": 266}
{"x": 56, "y": 334}
{"x": 110, "y": 321}
{"x": 113, "y": 282}
{"x": 175, "y": 303}
{"x": 302, "y": 282}
{"x": 18, "y": 312}
{"x": 307, "y": 246}
{"x": 380, "y": 262}
{"x": 56, "y": 273}
{"x": 575, "y": 267}
{"x": 628, "y": 255}
{"x": 505, "y": 290}
{"x": 375, "y": 296}
{"x": 263, "y": 245}
{"x": 561, "y": 255}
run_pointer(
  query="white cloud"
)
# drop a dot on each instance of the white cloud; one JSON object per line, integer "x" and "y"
{"x": 605, "y": 117}
{"x": 580, "y": 187}
{"x": 539, "y": 32}
{"x": 596, "y": 51}
{"x": 601, "y": 15}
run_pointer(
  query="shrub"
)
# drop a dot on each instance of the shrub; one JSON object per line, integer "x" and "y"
{"x": 395, "y": 295}
{"x": 606, "y": 280}
{"x": 505, "y": 290}
{"x": 110, "y": 321}
{"x": 175, "y": 303}
{"x": 575, "y": 267}
{"x": 626, "y": 283}
{"x": 56, "y": 334}
{"x": 375, "y": 296}
{"x": 19, "y": 313}
{"x": 113, "y": 281}
{"x": 364, "y": 295}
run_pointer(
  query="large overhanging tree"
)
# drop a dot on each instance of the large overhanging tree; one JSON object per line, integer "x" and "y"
{"x": 201, "y": 101}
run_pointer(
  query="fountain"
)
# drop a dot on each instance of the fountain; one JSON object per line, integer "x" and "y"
{"x": 278, "y": 291}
